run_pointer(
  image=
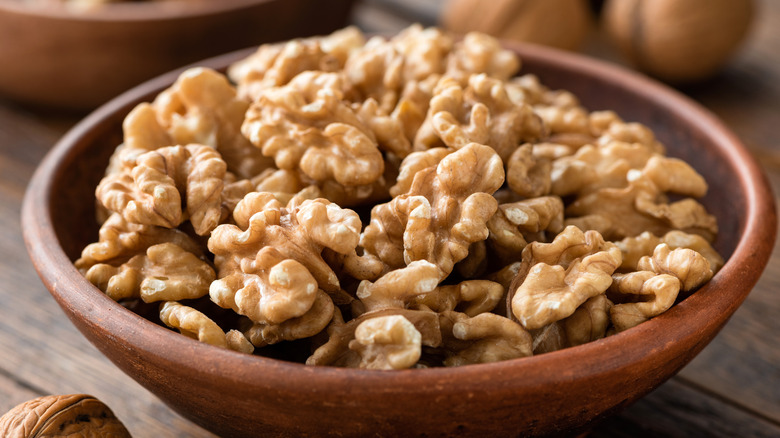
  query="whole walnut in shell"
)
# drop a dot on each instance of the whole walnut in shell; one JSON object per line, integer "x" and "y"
{"x": 678, "y": 40}
{"x": 74, "y": 415}
{"x": 558, "y": 23}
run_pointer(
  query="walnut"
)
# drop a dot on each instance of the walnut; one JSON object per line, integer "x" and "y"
{"x": 556, "y": 278}
{"x": 636, "y": 208}
{"x": 563, "y": 23}
{"x": 634, "y": 248}
{"x": 387, "y": 343}
{"x": 276, "y": 64}
{"x": 640, "y": 296}
{"x": 192, "y": 323}
{"x": 151, "y": 192}
{"x": 337, "y": 351}
{"x": 414, "y": 163}
{"x": 444, "y": 211}
{"x": 588, "y": 323}
{"x": 165, "y": 273}
{"x": 515, "y": 224}
{"x": 396, "y": 288}
{"x": 687, "y": 265}
{"x": 382, "y": 68}
{"x": 483, "y": 338}
{"x": 121, "y": 240}
{"x": 309, "y": 324}
{"x": 202, "y": 107}
{"x": 527, "y": 174}
{"x": 471, "y": 297}
{"x": 299, "y": 234}
{"x": 481, "y": 53}
{"x": 481, "y": 113}
{"x": 71, "y": 416}
{"x": 675, "y": 40}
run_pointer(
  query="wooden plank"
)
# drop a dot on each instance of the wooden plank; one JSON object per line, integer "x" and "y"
{"x": 12, "y": 393}
{"x": 676, "y": 409}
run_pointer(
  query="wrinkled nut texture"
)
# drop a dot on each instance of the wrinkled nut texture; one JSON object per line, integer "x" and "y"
{"x": 307, "y": 325}
{"x": 556, "y": 285}
{"x": 527, "y": 174}
{"x": 387, "y": 343}
{"x": 202, "y": 107}
{"x": 165, "y": 273}
{"x": 69, "y": 416}
{"x": 151, "y": 192}
{"x": 517, "y": 223}
{"x": 299, "y": 234}
{"x": 634, "y": 248}
{"x": 120, "y": 240}
{"x": 470, "y": 297}
{"x": 643, "y": 295}
{"x": 192, "y": 323}
{"x": 337, "y": 351}
{"x": 273, "y": 65}
{"x": 480, "y": 53}
{"x": 481, "y": 113}
{"x": 483, "y": 338}
{"x": 687, "y": 265}
{"x": 445, "y": 210}
{"x": 588, "y": 323}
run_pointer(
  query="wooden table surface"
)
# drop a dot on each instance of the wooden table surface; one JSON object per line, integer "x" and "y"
{"x": 731, "y": 389}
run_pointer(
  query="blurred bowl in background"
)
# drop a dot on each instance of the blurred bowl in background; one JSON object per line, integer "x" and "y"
{"x": 61, "y": 57}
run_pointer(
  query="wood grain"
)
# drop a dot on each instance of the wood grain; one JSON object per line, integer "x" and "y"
{"x": 731, "y": 389}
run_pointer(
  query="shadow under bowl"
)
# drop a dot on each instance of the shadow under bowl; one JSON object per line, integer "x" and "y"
{"x": 234, "y": 394}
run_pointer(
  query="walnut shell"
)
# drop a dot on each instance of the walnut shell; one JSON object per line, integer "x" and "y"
{"x": 678, "y": 40}
{"x": 558, "y": 23}
{"x": 74, "y": 415}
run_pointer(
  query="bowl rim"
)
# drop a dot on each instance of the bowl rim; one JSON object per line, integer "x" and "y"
{"x": 598, "y": 358}
{"x": 128, "y": 12}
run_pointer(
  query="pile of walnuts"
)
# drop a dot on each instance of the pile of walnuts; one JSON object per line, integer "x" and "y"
{"x": 393, "y": 203}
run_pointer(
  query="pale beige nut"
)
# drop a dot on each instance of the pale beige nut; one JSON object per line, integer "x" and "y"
{"x": 192, "y": 323}
{"x": 67, "y": 416}
{"x": 591, "y": 168}
{"x": 300, "y": 234}
{"x": 336, "y": 351}
{"x": 165, "y": 272}
{"x": 527, "y": 174}
{"x": 443, "y": 213}
{"x": 390, "y": 130}
{"x": 483, "y": 338}
{"x": 272, "y": 290}
{"x": 345, "y": 155}
{"x": 630, "y": 132}
{"x": 470, "y": 297}
{"x": 415, "y": 162}
{"x": 120, "y": 240}
{"x": 276, "y": 64}
{"x": 382, "y": 68}
{"x": 637, "y": 208}
{"x": 634, "y": 248}
{"x": 515, "y": 224}
{"x": 399, "y": 286}
{"x": 237, "y": 341}
{"x": 562, "y": 275}
{"x": 687, "y": 265}
{"x": 307, "y": 325}
{"x": 640, "y": 296}
{"x": 481, "y": 112}
{"x": 481, "y": 53}
{"x": 588, "y": 323}
{"x": 151, "y": 192}
{"x": 202, "y": 107}
{"x": 387, "y": 343}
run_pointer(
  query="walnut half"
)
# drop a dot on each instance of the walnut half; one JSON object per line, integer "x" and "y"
{"x": 74, "y": 415}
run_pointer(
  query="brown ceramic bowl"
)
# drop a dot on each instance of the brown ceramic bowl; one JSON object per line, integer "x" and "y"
{"x": 234, "y": 394}
{"x": 64, "y": 58}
